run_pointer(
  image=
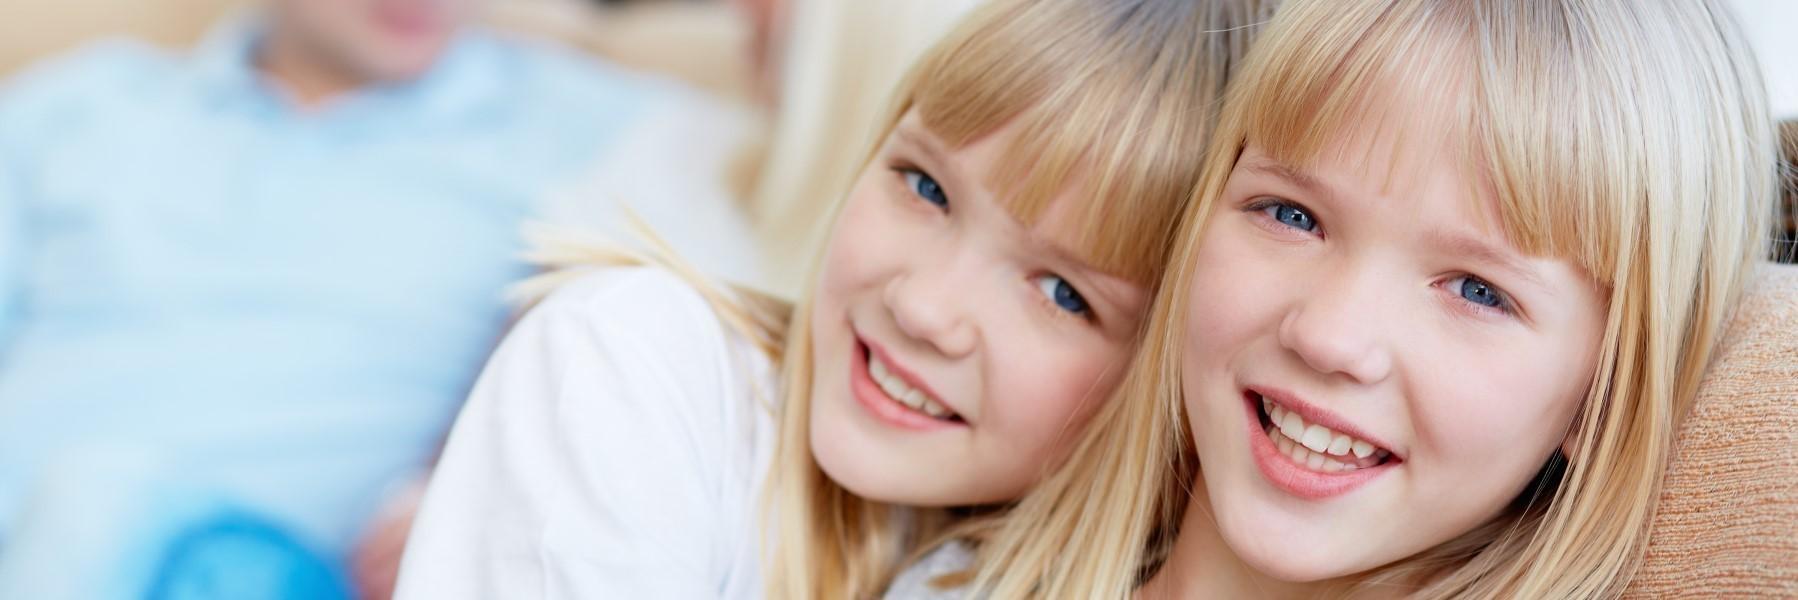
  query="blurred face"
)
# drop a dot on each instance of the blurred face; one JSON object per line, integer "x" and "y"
{"x": 371, "y": 40}
{"x": 956, "y": 350}
{"x": 1371, "y": 369}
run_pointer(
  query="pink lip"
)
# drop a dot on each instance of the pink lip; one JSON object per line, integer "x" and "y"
{"x": 869, "y": 395}
{"x": 1318, "y": 415}
{"x": 1293, "y": 478}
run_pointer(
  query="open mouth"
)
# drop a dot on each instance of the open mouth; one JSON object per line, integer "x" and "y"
{"x": 1311, "y": 446}
{"x": 893, "y": 385}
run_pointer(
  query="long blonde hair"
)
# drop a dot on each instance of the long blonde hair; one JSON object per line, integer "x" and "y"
{"x": 1115, "y": 96}
{"x": 1630, "y": 137}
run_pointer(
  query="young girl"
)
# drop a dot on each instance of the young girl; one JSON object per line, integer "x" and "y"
{"x": 980, "y": 292}
{"x": 1462, "y": 265}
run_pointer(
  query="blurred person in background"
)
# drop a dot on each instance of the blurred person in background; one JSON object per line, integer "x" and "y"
{"x": 243, "y": 290}
{"x": 707, "y": 167}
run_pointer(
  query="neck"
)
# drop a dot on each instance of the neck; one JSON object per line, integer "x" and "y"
{"x": 1202, "y": 565}
{"x": 306, "y": 73}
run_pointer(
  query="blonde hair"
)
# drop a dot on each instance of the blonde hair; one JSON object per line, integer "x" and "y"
{"x": 841, "y": 61}
{"x": 1116, "y": 97}
{"x": 1630, "y": 137}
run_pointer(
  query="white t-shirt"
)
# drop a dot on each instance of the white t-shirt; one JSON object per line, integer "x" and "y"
{"x": 613, "y": 448}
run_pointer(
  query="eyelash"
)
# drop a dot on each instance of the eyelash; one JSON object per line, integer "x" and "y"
{"x": 1087, "y": 314}
{"x": 1506, "y": 305}
{"x": 1263, "y": 204}
{"x": 913, "y": 177}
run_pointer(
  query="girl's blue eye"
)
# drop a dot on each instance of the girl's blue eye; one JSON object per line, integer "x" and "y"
{"x": 1291, "y": 216}
{"x": 1477, "y": 291}
{"x": 926, "y": 187}
{"x": 1063, "y": 295}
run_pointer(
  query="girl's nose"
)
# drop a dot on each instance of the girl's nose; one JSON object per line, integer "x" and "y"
{"x": 933, "y": 306}
{"x": 1341, "y": 327}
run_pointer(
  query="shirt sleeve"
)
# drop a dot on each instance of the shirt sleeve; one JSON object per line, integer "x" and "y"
{"x": 12, "y": 244}
{"x": 584, "y": 463}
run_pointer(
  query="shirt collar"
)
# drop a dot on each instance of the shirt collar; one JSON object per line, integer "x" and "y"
{"x": 467, "y": 76}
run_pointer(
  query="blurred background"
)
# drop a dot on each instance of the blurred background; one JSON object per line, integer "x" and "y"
{"x": 253, "y": 253}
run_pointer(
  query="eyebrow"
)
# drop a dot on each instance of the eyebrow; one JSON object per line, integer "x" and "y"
{"x": 1291, "y": 175}
{"x": 923, "y": 141}
{"x": 1111, "y": 287}
{"x": 1482, "y": 252}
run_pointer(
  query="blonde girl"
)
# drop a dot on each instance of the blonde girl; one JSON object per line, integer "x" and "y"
{"x": 641, "y": 434}
{"x": 1463, "y": 263}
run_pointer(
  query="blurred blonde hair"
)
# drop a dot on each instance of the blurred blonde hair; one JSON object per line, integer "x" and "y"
{"x": 840, "y": 64}
{"x": 1630, "y": 137}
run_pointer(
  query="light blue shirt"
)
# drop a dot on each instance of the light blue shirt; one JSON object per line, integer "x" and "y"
{"x": 206, "y": 290}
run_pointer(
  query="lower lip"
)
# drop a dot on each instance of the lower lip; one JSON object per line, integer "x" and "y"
{"x": 883, "y": 407}
{"x": 1297, "y": 480}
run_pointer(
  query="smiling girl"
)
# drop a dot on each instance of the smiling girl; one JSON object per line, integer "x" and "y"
{"x": 642, "y": 434}
{"x": 1462, "y": 265}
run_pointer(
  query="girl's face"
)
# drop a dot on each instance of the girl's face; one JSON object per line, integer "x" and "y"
{"x": 955, "y": 348}
{"x": 1371, "y": 369}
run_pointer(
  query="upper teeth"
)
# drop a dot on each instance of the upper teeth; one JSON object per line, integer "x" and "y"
{"x": 897, "y": 389}
{"x": 1322, "y": 441}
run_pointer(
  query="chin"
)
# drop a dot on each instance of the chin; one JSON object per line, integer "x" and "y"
{"x": 847, "y": 465}
{"x": 1275, "y": 543}
{"x": 1285, "y": 557}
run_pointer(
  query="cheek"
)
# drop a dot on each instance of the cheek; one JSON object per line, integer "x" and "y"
{"x": 1495, "y": 421}
{"x": 1042, "y": 391}
{"x": 856, "y": 251}
{"x": 1232, "y": 297}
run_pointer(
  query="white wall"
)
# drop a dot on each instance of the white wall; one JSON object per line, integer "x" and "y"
{"x": 1772, "y": 27}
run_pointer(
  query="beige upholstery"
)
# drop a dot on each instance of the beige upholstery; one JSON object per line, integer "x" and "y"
{"x": 32, "y": 29}
{"x": 1728, "y": 520}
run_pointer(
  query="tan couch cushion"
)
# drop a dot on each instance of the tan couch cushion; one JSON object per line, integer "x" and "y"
{"x": 33, "y": 29}
{"x": 1728, "y": 520}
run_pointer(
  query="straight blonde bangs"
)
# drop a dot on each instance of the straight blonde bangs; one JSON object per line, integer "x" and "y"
{"x": 1112, "y": 101}
{"x": 1527, "y": 133}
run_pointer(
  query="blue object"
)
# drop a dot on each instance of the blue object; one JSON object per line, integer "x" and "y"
{"x": 280, "y": 307}
{"x": 240, "y": 557}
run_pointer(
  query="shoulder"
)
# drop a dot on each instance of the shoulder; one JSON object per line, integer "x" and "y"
{"x": 652, "y": 324}
{"x": 97, "y": 72}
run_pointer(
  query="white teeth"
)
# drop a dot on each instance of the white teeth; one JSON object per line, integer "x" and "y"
{"x": 1317, "y": 438}
{"x": 896, "y": 389}
{"x": 1314, "y": 446}
{"x": 1339, "y": 445}
{"x": 1292, "y": 426}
